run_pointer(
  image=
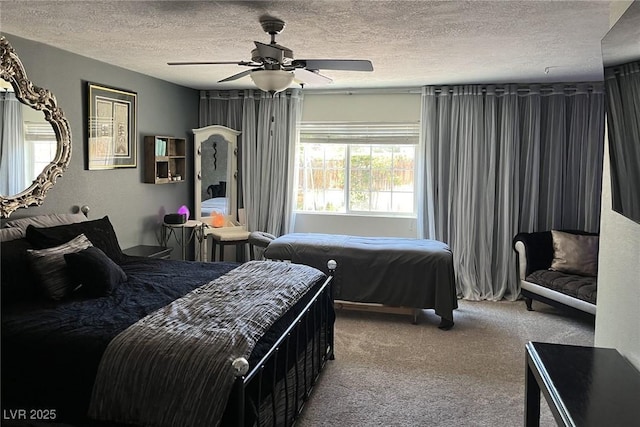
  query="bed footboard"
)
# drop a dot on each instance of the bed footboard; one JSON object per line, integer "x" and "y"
{"x": 273, "y": 393}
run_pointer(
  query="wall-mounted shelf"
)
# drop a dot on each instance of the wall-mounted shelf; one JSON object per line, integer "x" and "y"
{"x": 164, "y": 159}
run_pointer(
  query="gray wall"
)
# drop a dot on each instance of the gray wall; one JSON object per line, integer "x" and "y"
{"x": 134, "y": 207}
{"x": 618, "y": 317}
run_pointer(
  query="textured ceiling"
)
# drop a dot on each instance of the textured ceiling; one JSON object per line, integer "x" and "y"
{"x": 411, "y": 43}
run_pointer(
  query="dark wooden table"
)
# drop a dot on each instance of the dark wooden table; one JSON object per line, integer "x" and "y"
{"x": 584, "y": 386}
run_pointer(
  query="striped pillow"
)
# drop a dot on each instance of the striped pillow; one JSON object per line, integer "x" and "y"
{"x": 9, "y": 234}
{"x": 50, "y": 268}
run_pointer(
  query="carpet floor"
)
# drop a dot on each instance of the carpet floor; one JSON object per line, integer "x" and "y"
{"x": 390, "y": 372}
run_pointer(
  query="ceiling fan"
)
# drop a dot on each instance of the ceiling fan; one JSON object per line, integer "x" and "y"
{"x": 273, "y": 68}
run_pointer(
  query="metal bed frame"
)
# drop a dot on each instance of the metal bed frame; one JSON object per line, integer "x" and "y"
{"x": 255, "y": 391}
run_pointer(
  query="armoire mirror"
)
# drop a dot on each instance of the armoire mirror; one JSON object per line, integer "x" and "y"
{"x": 216, "y": 170}
{"x": 30, "y": 166}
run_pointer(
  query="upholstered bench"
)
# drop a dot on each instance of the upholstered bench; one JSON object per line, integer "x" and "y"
{"x": 225, "y": 236}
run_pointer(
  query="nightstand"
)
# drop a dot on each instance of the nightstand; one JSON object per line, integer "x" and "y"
{"x": 149, "y": 251}
{"x": 182, "y": 237}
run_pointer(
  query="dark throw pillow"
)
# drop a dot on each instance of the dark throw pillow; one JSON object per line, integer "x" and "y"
{"x": 16, "y": 280}
{"x": 100, "y": 232}
{"x": 95, "y": 271}
{"x": 49, "y": 267}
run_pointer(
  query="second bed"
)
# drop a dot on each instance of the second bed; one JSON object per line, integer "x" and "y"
{"x": 397, "y": 272}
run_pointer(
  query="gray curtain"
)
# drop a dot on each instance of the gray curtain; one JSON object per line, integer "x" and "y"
{"x": 504, "y": 159}
{"x": 269, "y": 162}
{"x": 266, "y": 150}
{"x": 623, "y": 118}
{"x": 12, "y": 150}
{"x": 571, "y": 150}
{"x": 222, "y": 108}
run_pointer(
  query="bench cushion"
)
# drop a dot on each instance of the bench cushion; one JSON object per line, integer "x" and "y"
{"x": 581, "y": 287}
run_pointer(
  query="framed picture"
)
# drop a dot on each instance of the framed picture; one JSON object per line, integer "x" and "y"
{"x": 112, "y": 128}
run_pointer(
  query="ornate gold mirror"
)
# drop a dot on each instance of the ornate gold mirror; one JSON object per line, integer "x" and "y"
{"x": 25, "y": 175}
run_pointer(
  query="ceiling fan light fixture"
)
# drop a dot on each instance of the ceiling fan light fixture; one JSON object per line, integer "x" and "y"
{"x": 272, "y": 81}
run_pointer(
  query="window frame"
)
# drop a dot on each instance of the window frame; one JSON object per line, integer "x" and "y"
{"x": 37, "y": 134}
{"x": 351, "y": 134}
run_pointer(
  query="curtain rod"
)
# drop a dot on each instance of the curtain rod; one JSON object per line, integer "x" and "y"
{"x": 363, "y": 91}
{"x": 546, "y": 88}
{"x": 522, "y": 88}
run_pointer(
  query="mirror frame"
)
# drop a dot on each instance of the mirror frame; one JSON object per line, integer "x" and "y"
{"x": 12, "y": 71}
{"x": 231, "y": 137}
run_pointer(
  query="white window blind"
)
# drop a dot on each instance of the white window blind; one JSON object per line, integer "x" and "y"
{"x": 359, "y": 133}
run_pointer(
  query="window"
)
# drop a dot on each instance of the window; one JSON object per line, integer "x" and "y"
{"x": 357, "y": 168}
{"x": 40, "y": 148}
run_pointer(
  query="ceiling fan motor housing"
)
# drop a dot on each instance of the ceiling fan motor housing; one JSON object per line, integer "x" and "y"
{"x": 271, "y": 53}
{"x": 272, "y": 25}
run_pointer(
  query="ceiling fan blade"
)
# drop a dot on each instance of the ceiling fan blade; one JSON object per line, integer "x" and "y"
{"x": 334, "y": 64}
{"x": 310, "y": 77}
{"x": 238, "y": 76}
{"x": 246, "y": 63}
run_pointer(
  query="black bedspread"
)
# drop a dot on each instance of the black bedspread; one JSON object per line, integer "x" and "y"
{"x": 51, "y": 351}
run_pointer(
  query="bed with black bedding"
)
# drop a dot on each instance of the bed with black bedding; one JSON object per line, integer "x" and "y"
{"x": 54, "y": 350}
{"x": 397, "y": 272}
